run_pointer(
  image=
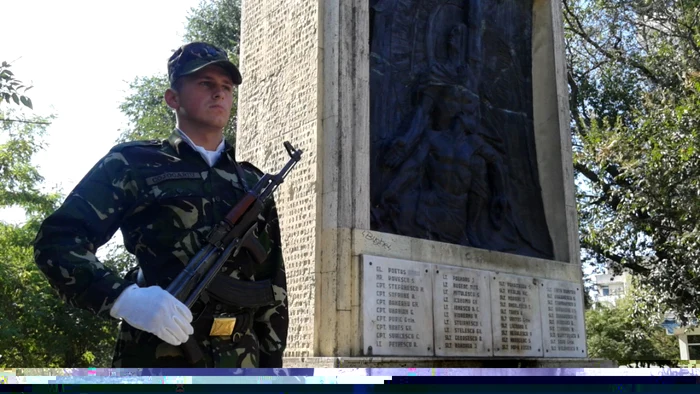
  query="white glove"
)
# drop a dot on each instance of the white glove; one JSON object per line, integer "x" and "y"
{"x": 156, "y": 311}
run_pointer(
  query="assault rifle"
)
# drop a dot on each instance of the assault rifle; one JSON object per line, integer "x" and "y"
{"x": 234, "y": 232}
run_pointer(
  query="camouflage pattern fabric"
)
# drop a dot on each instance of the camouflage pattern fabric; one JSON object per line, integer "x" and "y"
{"x": 165, "y": 199}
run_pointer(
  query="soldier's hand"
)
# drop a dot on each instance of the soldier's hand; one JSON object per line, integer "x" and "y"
{"x": 156, "y": 311}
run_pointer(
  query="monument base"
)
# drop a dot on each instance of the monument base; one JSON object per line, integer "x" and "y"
{"x": 436, "y": 362}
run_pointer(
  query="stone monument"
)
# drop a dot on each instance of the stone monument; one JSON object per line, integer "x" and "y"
{"x": 432, "y": 220}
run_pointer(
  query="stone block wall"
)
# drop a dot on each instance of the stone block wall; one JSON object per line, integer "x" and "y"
{"x": 278, "y": 101}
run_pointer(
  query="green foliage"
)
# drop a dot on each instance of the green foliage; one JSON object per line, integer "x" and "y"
{"x": 10, "y": 87}
{"x": 629, "y": 334}
{"x": 634, "y": 82}
{"x": 216, "y": 22}
{"x": 149, "y": 116}
{"x": 36, "y": 328}
{"x": 20, "y": 179}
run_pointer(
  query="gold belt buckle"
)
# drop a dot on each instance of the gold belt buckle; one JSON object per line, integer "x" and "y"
{"x": 223, "y": 326}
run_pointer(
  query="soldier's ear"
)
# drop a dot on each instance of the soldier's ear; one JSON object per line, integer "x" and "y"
{"x": 172, "y": 98}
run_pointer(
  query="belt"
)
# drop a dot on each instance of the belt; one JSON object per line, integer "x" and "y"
{"x": 234, "y": 292}
{"x": 223, "y": 324}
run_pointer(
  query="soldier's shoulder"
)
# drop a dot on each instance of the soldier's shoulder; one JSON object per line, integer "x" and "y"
{"x": 126, "y": 146}
{"x": 250, "y": 168}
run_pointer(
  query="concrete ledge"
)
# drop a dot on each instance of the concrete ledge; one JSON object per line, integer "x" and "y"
{"x": 310, "y": 362}
{"x": 402, "y": 247}
{"x": 431, "y": 362}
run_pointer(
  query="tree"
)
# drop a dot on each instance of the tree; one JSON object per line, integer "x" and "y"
{"x": 36, "y": 328}
{"x": 149, "y": 117}
{"x": 10, "y": 86}
{"x": 216, "y": 22}
{"x": 628, "y": 335}
{"x": 635, "y": 107}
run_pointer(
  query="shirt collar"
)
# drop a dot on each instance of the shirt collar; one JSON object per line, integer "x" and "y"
{"x": 178, "y": 137}
{"x": 194, "y": 146}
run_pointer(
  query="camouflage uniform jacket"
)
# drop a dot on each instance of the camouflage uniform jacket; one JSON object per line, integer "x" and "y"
{"x": 165, "y": 199}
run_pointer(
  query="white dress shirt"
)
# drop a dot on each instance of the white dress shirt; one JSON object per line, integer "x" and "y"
{"x": 209, "y": 156}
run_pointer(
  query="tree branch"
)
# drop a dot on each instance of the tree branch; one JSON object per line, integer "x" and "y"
{"x": 617, "y": 56}
{"x": 587, "y": 172}
{"x": 24, "y": 121}
{"x": 614, "y": 257}
{"x": 573, "y": 103}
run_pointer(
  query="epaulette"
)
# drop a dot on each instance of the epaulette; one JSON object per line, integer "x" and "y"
{"x": 124, "y": 145}
{"x": 250, "y": 167}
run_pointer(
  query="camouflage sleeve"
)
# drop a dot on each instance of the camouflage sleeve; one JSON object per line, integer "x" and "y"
{"x": 272, "y": 322}
{"x": 65, "y": 246}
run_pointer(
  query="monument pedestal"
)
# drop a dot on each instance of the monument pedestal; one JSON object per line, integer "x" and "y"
{"x": 436, "y": 362}
{"x": 363, "y": 297}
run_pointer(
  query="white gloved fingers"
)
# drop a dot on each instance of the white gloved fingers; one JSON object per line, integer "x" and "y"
{"x": 168, "y": 337}
{"x": 177, "y": 333}
{"x": 185, "y": 326}
{"x": 182, "y": 310}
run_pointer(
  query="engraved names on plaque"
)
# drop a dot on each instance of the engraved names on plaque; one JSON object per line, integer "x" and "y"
{"x": 397, "y": 307}
{"x": 516, "y": 317}
{"x": 462, "y": 312}
{"x": 562, "y": 319}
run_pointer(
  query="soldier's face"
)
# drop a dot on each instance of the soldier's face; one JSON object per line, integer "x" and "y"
{"x": 205, "y": 98}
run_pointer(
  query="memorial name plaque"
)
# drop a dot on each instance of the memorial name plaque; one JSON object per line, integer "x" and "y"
{"x": 397, "y": 306}
{"x": 562, "y": 319}
{"x": 462, "y": 312}
{"x": 517, "y": 329}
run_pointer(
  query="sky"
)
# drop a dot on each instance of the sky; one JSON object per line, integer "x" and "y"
{"x": 80, "y": 56}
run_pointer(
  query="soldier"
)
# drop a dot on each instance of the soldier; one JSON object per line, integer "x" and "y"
{"x": 166, "y": 196}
